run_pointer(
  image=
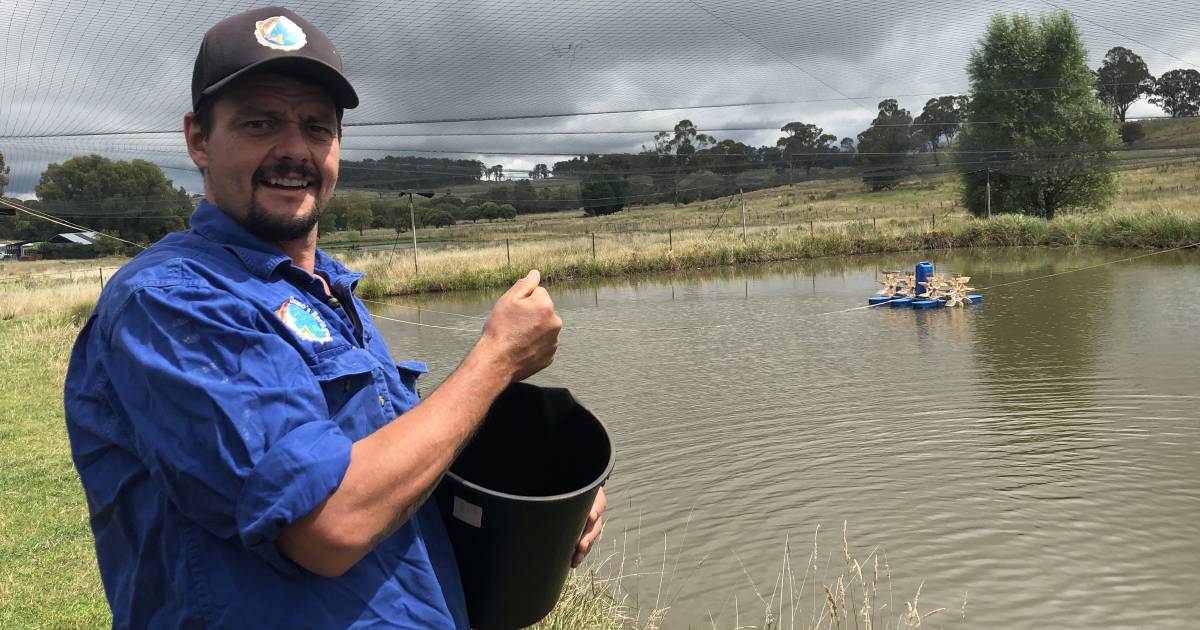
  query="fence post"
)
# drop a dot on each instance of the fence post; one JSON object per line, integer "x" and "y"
{"x": 593, "y": 246}
{"x": 670, "y": 240}
{"x": 101, "y": 270}
{"x": 508, "y": 252}
{"x": 933, "y": 221}
{"x": 742, "y": 195}
{"x": 811, "y": 230}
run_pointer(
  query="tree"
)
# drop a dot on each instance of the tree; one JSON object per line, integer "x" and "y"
{"x": 358, "y": 212}
{"x": 497, "y": 172}
{"x": 489, "y": 210}
{"x": 804, "y": 144}
{"x": 132, "y": 199}
{"x": 333, "y": 219}
{"x": 472, "y": 213}
{"x": 676, "y": 147}
{"x": 883, "y": 149}
{"x": 540, "y": 171}
{"x": 1178, "y": 93}
{"x": 506, "y": 211}
{"x": 1042, "y": 150}
{"x": 437, "y": 218}
{"x": 682, "y": 142}
{"x": 603, "y": 194}
{"x": 390, "y": 212}
{"x": 1122, "y": 79}
{"x": 1131, "y": 132}
{"x": 942, "y": 118}
{"x": 727, "y": 157}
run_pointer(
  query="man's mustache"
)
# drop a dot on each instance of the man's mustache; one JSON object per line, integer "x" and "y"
{"x": 286, "y": 170}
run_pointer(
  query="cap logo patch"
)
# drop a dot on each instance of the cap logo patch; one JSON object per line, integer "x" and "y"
{"x": 301, "y": 319}
{"x": 279, "y": 33}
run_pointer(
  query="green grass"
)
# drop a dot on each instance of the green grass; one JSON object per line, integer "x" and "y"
{"x": 48, "y": 574}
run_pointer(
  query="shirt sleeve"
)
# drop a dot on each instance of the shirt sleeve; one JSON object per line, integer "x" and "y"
{"x": 226, "y": 415}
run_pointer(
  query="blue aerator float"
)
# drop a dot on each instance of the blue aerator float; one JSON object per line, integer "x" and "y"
{"x": 923, "y": 289}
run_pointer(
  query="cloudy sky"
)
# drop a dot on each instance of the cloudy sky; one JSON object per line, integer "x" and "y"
{"x": 104, "y": 77}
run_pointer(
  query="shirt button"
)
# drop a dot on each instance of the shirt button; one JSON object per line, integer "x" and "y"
{"x": 333, "y": 302}
{"x": 382, "y": 402}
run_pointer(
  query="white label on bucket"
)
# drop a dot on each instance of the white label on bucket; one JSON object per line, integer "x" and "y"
{"x": 468, "y": 513}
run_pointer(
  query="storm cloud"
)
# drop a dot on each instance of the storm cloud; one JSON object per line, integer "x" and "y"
{"x": 89, "y": 77}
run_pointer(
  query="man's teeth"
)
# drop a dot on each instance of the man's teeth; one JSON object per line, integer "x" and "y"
{"x": 294, "y": 183}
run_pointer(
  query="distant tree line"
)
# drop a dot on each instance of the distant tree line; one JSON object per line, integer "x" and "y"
{"x": 359, "y": 211}
{"x": 408, "y": 173}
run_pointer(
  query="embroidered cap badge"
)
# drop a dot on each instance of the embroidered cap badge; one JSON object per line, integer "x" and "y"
{"x": 279, "y": 33}
{"x": 303, "y": 321}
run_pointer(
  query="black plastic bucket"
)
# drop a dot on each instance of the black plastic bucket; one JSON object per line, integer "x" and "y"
{"x": 517, "y": 498}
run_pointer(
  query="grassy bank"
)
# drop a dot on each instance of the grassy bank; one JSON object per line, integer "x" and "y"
{"x": 560, "y": 259}
{"x": 48, "y": 575}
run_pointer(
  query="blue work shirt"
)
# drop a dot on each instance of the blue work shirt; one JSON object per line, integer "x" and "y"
{"x": 211, "y": 401}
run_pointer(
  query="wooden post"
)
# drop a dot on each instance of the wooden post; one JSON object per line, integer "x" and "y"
{"x": 742, "y": 194}
{"x": 670, "y": 240}
{"x": 508, "y": 252}
{"x": 933, "y": 221}
{"x": 989, "y": 193}
{"x": 593, "y": 246}
{"x": 101, "y": 270}
{"x": 873, "y": 225}
{"x": 811, "y": 230}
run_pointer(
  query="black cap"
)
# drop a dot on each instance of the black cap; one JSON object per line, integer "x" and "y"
{"x": 273, "y": 38}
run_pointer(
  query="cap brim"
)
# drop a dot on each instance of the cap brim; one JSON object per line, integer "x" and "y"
{"x": 343, "y": 93}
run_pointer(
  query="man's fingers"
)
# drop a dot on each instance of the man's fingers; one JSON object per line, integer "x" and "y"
{"x": 594, "y": 528}
{"x": 527, "y": 285}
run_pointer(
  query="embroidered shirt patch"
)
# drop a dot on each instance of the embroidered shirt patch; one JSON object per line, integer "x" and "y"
{"x": 303, "y": 321}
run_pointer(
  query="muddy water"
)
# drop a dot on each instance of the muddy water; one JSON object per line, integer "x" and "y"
{"x": 1037, "y": 455}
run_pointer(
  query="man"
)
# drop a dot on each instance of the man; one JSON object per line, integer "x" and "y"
{"x": 252, "y": 456}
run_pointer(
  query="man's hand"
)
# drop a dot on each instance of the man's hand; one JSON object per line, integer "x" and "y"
{"x": 522, "y": 329}
{"x": 591, "y": 531}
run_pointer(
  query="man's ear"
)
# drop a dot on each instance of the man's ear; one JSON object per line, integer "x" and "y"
{"x": 197, "y": 143}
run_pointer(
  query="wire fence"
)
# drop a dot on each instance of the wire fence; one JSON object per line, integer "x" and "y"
{"x": 82, "y": 273}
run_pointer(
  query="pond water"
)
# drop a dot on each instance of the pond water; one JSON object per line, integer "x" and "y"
{"x": 1037, "y": 455}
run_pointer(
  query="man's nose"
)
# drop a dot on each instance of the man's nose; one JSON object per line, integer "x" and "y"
{"x": 291, "y": 143}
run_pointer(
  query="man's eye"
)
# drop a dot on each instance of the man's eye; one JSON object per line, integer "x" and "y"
{"x": 321, "y": 130}
{"x": 259, "y": 124}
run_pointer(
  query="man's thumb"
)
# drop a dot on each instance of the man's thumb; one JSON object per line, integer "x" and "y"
{"x": 525, "y": 286}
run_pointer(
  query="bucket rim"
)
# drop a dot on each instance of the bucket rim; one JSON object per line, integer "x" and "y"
{"x": 599, "y": 481}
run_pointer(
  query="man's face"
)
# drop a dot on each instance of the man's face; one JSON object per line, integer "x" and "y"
{"x": 271, "y": 158}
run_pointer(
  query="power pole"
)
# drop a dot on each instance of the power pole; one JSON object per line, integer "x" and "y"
{"x": 412, "y": 218}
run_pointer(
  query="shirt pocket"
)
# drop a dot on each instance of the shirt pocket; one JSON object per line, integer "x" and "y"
{"x": 347, "y": 377}
{"x": 409, "y": 372}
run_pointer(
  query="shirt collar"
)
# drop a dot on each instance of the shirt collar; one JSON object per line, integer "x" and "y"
{"x": 337, "y": 273}
{"x": 261, "y": 258}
